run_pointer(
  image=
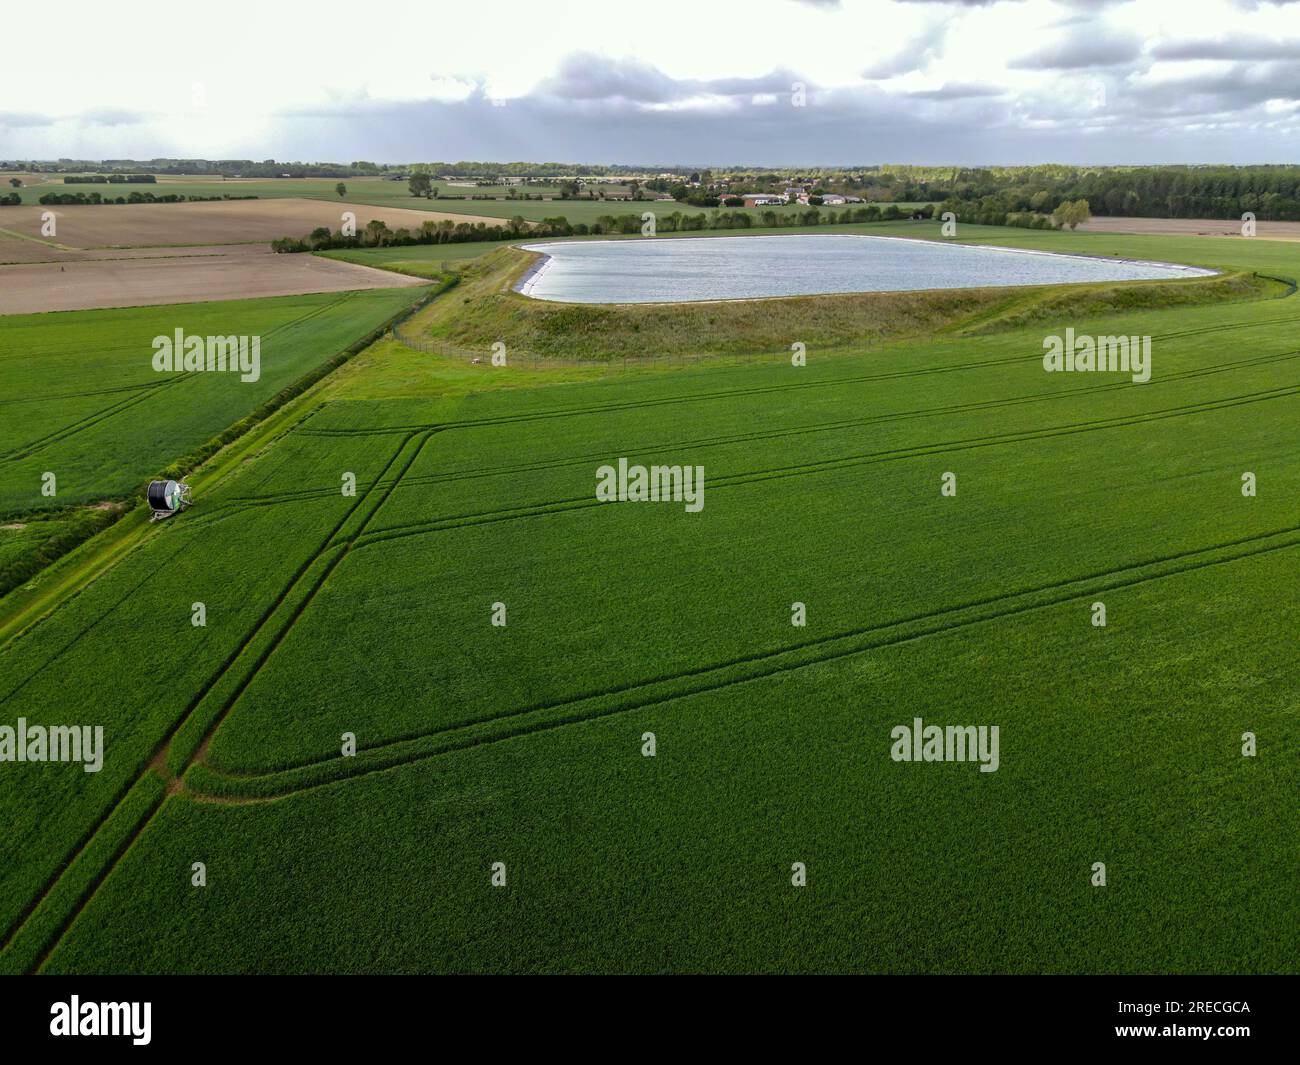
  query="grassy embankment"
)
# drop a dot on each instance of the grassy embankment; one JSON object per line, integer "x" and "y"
{"x": 483, "y": 309}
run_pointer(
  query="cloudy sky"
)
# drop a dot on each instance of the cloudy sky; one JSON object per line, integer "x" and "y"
{"x": 762, "y": 82}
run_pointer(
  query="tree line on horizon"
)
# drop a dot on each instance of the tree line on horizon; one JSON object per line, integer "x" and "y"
{"x": 376, "y": 234}
{"x": 72, "y": 199}
{"x": 1271, "y": 193}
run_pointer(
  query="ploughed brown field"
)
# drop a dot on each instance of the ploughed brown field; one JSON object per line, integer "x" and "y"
{"x": 217, "y": 222}
{"x": 180, "y": 275}
{"x": 131, "y": 255}
{"x": 19, "y": 250}
{"x": 1194, "y": 227}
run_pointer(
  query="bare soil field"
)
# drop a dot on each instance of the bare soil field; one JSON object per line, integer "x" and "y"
{"x": 1194, "y": 227}
{"x": 218, "y": 222}
{"x": 180, "y": 275}
{"x": 19, "y": 250}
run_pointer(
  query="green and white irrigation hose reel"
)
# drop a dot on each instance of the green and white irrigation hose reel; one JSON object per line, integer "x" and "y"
{"x": 167, "y": 498}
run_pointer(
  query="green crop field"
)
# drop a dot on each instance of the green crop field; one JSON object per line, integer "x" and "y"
{"x": 420, "y": 260}
{"x": 82, "y": 397}
{"x": 334, "y": 617}
{"x": 87, "y": 417}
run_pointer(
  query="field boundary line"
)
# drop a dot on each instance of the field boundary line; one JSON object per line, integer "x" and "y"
{"x": 99, "y": 619}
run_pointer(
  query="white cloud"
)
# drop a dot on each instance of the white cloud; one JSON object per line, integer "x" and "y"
{"x": 689, "y": 80}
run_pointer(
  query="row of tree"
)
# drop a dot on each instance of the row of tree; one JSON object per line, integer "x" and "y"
{"x": 376, "y": 233}
{"x": 1269, "y": 192}
{"x": 993, "y": 211}
{"x": 87, "y": 198}
{"x": 110, "y": 179}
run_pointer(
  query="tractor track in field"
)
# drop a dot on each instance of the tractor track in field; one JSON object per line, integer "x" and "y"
{"x": 830, "y": 465}
{"x": 724, "y": 394}
{"x": 100, "y": 619}
{"x": 396, "y": 752}
{"x": 160, "y": 751}
{"x": 340, "y": 549}
{"x": 6, "y": 650}
{"x": 146, "y": 391}
{"x": 38, "y": 445}
{"x": 240, "y": 502}
{"x": 692, "y": 397}
{"x": 76, "y": 395}
{"x": 759, "y": 390}
{"x": 382, "y": 490}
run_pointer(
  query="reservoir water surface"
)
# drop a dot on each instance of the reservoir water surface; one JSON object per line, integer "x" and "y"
{"x": 681, "y": 269}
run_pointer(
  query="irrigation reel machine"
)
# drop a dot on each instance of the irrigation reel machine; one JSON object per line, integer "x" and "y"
{"x": 167, "y": 498}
